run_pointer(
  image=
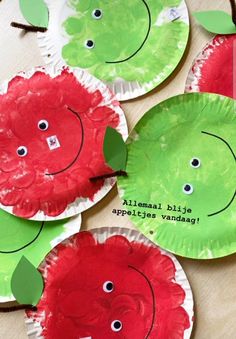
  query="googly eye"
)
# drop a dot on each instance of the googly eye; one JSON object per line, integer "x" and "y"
{"x": 195, "y": 162}
{"x": 22, "y": 151}
{"x": 188, "y": 189}
{"x": 97, "y": 14}
{"x": 108, "y": 286}
{"x": 116, "y": 326}
{"x": 89, "y": 44}
{"x": 43, "y": 125}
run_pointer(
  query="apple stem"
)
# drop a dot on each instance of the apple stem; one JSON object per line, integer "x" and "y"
{"x": 28, "y": 28}
{"x": 17, "y": 308}
{"x": 110, "y": 175}
{"x": 233, "y": 6}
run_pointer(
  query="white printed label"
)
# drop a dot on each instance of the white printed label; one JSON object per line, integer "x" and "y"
{"x": 173, "y": 14}
{"x": 53, "y": 142}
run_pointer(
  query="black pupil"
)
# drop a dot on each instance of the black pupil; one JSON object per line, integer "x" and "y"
{"x": 42, "y": 125}
{"x": 109, "y": 286}
{"x": 195, "y": 162}
{"x": 21, "y": 151}
{"x": 187, "y": 188}
{"x": 97, "y": 13}
{"x": 117, "y": 325}
{"x": 90, "y": 43}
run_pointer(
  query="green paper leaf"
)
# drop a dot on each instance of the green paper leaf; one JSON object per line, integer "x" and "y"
{"x": 114, "y": 148}
{"x": 217, "y": 22}
{"x": 27, "y": 283}
{"x": 35, "y": 12}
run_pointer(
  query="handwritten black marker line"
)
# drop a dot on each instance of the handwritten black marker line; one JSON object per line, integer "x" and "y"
{"x": 143, "y": 43}
{"x": 234, "y": 156}
{"x": 28, "y": 244}
{"x": 153, "y": 299}
{"x": 81, "y": 145}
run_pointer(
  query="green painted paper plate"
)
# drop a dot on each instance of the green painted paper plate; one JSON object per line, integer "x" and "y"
{"x": 133, "y": 46}
{"x": 181, "y": 185}
{"x": 32, "y": 239}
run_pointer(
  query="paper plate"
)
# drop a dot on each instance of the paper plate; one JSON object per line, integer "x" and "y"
{"x": 181, "y": 185}
{"x": 131, "y": 45}
{"x": 32, "y": 239}
{"x": 214, "y": 69}
{"x": 99, "y": 283}
{"x": 52, "y": 125}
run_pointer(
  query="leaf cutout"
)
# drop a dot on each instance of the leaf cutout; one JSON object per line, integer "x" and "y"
{"x": 35, "y": 12}
{"x": 217, "y": 22}
{"x": 115, "y": 151}
{"x": 26, "y": 283}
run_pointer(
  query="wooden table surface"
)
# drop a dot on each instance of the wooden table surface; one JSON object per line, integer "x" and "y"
{"x": 213, "y": 282}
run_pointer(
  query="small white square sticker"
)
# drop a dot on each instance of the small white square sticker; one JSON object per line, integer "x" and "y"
{"x": 53, "y": 142}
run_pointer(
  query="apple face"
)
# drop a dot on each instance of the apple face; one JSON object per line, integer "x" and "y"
{"x": 51, "y": 144}
{"x": 180, "y": 189}
{"x": 99, "y": 289}
{"x": 133, "y": 46}
{"x": 32, "y": 239}
{"x": 214, "y": 69}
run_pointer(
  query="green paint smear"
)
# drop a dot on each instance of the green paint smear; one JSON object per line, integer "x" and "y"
{"x": 15, "y": 233}
{"x": 166, "y": 139}
{"x": 118, "y": 34}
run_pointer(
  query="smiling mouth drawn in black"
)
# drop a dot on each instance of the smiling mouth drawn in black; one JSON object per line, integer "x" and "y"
{"x": 153, "y": 299}
{"x": 234, "y": 156}
{"x": 80, "y": 147}
{"x": 26, "y": 245}
{"x": 144, "y": 41}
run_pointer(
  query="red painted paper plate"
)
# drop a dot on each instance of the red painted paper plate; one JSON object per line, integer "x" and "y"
{"x": 52, "y": 125}
{"x": 214, "y": 69}
{"x": 98, "y": 284}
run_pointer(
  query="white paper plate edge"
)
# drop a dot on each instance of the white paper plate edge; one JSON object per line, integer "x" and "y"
{"x": 34, "y": 329}
{"x": 49, "y": 44}
{"x": 91, "y": 84}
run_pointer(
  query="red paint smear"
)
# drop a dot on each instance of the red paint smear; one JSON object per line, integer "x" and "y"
{"x": 75, "y": 306}
{"x": 24, "y": 183}
{"x": 217, "y": 73}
